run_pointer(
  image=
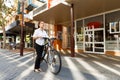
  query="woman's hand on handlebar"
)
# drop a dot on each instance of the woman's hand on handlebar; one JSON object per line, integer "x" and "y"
{"x": 45, "y": 38}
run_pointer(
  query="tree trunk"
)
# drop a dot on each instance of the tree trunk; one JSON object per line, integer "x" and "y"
{"x": 4, "y": 37}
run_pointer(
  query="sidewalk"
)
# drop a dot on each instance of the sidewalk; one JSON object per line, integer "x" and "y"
{"x": 85, "y": 67}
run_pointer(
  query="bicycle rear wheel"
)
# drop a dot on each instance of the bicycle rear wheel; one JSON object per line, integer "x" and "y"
{"x": 54, "y": 61}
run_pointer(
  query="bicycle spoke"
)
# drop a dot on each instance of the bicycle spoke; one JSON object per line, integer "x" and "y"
{"x": 55, "y": 66}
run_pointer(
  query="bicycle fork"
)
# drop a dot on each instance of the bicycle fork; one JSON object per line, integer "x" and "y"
{"x": 50, "y": 56}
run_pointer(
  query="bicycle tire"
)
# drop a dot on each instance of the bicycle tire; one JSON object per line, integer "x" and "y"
{"x": 57, "y": 67}
{"x": 43, "y": 55}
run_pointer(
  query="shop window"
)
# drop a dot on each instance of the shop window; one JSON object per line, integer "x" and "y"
{"x": 79, "y": 33}
{"x": 112, "y": 30}
{"x": 95, "y": 21}
{"x": 112, "y": 25}
{"x": 79, "y": 30}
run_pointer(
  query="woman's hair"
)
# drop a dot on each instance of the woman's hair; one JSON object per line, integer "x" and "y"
{"x": 39, "y": 23}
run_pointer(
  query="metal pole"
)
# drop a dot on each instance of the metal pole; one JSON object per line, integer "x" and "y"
{"x": 72, "y": 31}
{"x": 22, "y": 32}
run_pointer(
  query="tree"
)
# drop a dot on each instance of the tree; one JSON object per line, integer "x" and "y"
{"x": 4, "y": 14}
{"x": 2, "y": 20}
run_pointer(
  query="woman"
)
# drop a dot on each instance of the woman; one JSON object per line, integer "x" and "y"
{"x": 39, "y": 44}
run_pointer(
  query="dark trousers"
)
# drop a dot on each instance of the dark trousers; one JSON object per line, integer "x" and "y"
{"x": 39, "y": 50}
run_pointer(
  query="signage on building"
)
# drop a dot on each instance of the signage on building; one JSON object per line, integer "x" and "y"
{"x": 53, "y": 2}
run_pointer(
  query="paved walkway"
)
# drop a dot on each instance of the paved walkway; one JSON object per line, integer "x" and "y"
{"x": 83, "y": 67}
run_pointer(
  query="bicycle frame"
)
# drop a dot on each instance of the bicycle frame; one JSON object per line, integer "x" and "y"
{"x": 51, "y": 55}
{"x": 48, "y": 46}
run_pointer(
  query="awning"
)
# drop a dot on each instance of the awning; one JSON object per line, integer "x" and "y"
{"x": 55, "y": 15}
{"x": 60, "y": 14}
{"x": 12, "y": 25}
{"x": 8, "y": 33}
{"x": 85, "y": 8}
{"x": 9, "y": 29}
{"x": 29, "y": 27}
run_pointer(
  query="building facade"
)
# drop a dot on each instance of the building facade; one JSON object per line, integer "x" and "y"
{"x": 96, "y": 25}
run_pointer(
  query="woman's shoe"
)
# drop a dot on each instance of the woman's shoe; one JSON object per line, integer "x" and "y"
{"x": 40, "y": 69}
{"x": 36, "y": 70}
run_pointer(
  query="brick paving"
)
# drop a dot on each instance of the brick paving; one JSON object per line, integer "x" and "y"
{"x": 83, "y": 67}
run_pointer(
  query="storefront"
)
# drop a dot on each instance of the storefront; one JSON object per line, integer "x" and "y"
{"x": 99, "y": 33}
{"x": 94, "y": 23}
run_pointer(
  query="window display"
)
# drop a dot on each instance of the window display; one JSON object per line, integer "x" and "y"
{"x": 114, "y": 27}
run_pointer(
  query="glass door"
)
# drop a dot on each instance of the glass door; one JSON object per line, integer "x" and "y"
{"x": 88, "y": 40}
{"x": 94, "y": 40}
{"x": 99, "y": 40}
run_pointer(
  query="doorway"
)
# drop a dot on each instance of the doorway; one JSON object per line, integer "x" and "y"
{"x": 94, "y": 40}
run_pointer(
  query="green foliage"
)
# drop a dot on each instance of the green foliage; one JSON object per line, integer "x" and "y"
{"x": 5, "y": 12}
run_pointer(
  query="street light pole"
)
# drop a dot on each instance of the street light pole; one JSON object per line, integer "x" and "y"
{"x": 22, "y": 29}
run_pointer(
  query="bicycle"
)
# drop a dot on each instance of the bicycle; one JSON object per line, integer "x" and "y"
{"x": 51, "y": 56}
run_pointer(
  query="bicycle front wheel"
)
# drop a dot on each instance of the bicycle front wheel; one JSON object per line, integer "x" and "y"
{"x": 54, "y": 61}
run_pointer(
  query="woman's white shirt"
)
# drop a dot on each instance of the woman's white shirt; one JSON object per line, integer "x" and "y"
{"x": 42, "y": 33}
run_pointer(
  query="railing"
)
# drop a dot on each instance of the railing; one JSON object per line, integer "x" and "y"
{"x": 113, "y": 45}
{"x": 43, "y": 7}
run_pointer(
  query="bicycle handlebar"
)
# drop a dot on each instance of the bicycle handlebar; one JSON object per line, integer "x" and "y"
{"x": 50, "y": 41}
{"x": 47, "y": 38}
